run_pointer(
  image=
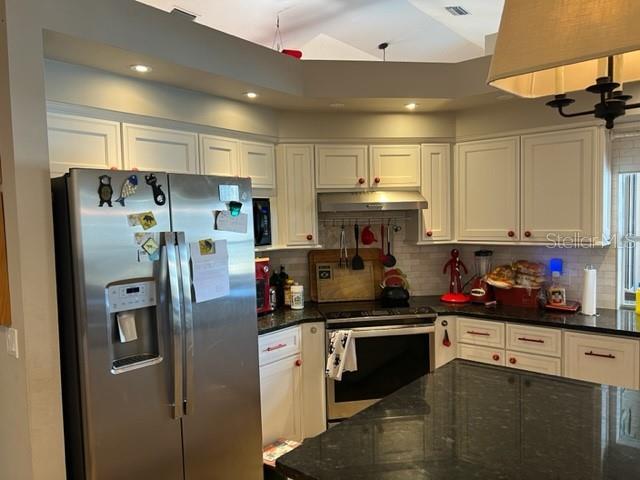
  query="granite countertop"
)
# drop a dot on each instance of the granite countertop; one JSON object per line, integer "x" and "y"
{"x": 472, "y": 421}
{"x": 608, "y": 321}
{"x": 285, "y": 317}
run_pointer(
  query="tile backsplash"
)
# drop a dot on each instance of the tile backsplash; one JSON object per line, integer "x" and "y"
{"x": 423, "y": 264}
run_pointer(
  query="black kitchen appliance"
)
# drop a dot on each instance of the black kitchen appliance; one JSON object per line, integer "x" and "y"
{"x": 262, "y": 221}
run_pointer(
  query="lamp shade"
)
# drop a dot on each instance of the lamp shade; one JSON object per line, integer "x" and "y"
{"x": 548, "y": 47}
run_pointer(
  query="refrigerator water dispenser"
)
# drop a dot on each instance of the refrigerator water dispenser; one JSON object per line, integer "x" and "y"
{"x": 133, "y": 325}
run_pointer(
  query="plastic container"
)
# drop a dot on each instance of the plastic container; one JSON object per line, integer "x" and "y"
{"x": 518, "y": 296}
{"x": 297, "y": 297}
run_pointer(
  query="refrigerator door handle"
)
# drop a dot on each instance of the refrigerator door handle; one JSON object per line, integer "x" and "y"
{"x": 171, "y": 257}
{"x": 183, "y": 252}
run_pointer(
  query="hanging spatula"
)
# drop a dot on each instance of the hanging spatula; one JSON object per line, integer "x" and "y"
{"x": 357, "y": 263}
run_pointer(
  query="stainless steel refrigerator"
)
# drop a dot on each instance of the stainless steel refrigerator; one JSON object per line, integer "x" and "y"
{"x": 156, "y": 383}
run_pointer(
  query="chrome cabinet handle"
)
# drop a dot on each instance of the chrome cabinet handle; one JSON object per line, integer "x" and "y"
{"x": 534, "y": 340}
{"x": 183, "y": 254}
{"x": 601, "y": 355}
{"x": 170, "y": 254}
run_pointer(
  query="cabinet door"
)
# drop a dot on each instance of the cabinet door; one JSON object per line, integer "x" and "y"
{"x": 395, "y": 166}
{"x": 533, "y": 363}
{"x": 314, "y": 410}
{"x": 558, "y": 185}
{"x": 446, "y": 330}
{"x": 82, "y": 142}
{"x": 219, "y": 156}
{"x": 487, "y": 190}
{"x": 280, "y": 398}
{"x": 159, "y": 149}
{"x": 296, "y": 195}
{"x": 341, "y": 166}
{"x": 602, "y": 359}
{"x": 436, "y": 188}
{"x": 257, "y": 161}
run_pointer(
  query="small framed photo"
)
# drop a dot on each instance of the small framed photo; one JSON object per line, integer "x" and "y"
{"x": 557, "y": 296}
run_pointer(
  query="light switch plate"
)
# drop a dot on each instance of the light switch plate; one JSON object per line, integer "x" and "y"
{"x": 12, "y": 342}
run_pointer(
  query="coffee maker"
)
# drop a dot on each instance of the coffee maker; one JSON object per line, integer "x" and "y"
{"x": 481, "y": 291}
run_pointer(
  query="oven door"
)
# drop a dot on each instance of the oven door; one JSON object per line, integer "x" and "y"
{"x": 389, "y": 357}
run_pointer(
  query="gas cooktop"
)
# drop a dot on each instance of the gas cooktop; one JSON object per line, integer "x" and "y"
{"x": 360, "y": 311}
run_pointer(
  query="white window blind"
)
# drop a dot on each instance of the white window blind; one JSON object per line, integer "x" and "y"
{"x": 630, "y": 236}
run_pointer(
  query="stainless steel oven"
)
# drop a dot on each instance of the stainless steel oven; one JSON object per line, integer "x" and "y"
{"x": 389, "y": 357}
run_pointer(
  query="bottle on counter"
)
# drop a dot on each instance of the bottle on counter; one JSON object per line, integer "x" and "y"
{"x": 297, "y": 297}
{"x": 287, "y": 291}
{"x": 278, "y": 281}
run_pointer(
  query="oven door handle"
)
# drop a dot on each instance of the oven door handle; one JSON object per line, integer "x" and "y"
{"x": 390, "y": 331}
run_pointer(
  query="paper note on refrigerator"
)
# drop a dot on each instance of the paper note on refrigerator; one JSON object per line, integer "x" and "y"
{"x": 229, "y": 223}
{"x": 210, "y": 271}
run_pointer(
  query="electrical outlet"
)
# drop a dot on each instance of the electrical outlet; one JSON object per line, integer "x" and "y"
{"x": 12, "y": 342}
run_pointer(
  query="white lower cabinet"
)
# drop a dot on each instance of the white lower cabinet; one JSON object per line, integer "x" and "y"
{"x": 493, "y": 356}
{"x": 533, "y": 363}
{"x": 314, "y": 402}
{"x": 280, "y": 383}
{"x": 602, "y": 359}
{"x": 446, "y": 343}
{"x": 480, "y": 332}
{"x": 292, "y": 386}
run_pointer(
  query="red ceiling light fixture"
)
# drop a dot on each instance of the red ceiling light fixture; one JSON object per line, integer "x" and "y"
{"x": 278, "y": 43}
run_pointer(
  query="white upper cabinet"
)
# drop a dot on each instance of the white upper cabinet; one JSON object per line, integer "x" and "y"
{"x": 296, "y": 195}
{"x": 487, "y": 189}
{"x": 558, "y": 184}
{"x": 436, "y": 189}
{"x": 219, "y": 156}
{"x": 341, "y": 167}
{"x": 395, "y": 166}
{"x": 257, "y": 161}
{"x": 160, "y": 149}
{"x": 82, "y": 142}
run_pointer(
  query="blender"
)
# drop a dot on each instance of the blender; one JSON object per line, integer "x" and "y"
{"x": 481, "y": 291}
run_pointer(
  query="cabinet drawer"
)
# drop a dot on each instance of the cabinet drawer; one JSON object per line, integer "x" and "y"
{"x": 481, "y": 354}
{"x": 277, "y": 345}
{"x": 481, "y": 332}
{"x": 543, "y": 341}
{"x": 533, "y": 363}
{"x": 602, "y": 359}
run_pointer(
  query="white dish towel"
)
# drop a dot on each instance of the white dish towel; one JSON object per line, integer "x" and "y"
{"x": 342, "y": 354}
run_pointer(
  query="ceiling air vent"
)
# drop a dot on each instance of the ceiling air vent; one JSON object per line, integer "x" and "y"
{"x": 456, "y": 10}
{"x": 183, "y": 13}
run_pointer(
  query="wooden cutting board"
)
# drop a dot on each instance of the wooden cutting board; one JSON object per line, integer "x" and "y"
{"x": 330, "y": 283}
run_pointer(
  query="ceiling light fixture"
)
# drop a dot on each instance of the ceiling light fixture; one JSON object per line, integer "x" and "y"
{"x": 251, "y": 95}
{"x": 548, "y": 47}
{"x": 411, "y": 106}
{"x": 140, "y": 68}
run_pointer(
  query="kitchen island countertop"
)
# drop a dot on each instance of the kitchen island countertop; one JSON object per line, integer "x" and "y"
{"x": 471, "y": 421}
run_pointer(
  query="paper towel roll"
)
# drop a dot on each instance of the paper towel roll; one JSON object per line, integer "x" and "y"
{"x": 589, "y": 291}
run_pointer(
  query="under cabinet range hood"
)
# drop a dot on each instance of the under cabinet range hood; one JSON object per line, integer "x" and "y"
{"x": 371, "y": 201}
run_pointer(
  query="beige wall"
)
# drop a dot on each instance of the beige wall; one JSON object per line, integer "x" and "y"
{"x": 344, "y": 126}
{"x": 86, "y": 86}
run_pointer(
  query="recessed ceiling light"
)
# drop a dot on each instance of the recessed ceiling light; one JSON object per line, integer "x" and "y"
{"x": 251, "y": 95}
{"x": 411, "y": 106}
{"x": 140, "y": 68}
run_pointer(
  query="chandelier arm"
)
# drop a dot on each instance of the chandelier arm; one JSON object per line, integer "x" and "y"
{"x": 632, "y": 105}
{"x": 576, "y": 114}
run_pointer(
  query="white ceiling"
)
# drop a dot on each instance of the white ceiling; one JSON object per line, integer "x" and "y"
{"x": 416, "y": 30}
